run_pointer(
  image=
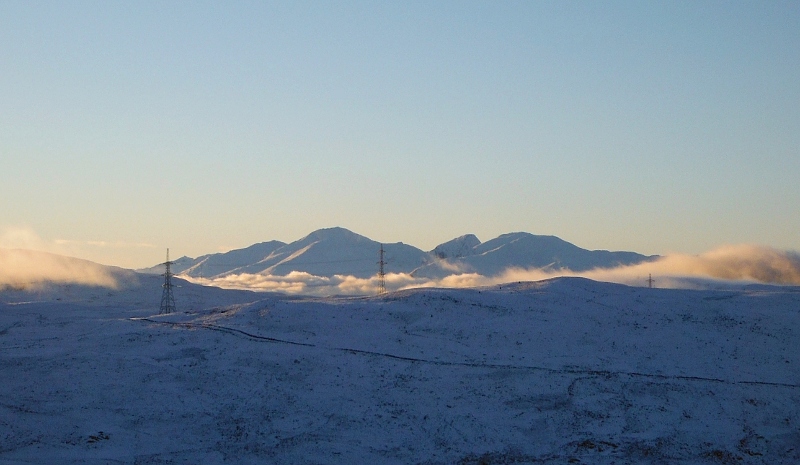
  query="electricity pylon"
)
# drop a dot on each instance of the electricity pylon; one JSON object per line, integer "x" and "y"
{"x": 381, "y": 274}
{"x": 167, "y": 299}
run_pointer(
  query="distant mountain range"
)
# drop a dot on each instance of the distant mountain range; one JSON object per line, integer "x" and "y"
{"x": 338, "y": 251}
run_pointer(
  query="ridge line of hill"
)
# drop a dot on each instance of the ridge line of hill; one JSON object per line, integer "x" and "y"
{"x": 337, "y": 251}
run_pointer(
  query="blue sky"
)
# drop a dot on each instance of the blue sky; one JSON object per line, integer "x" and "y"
{"x": 126, "y": 128}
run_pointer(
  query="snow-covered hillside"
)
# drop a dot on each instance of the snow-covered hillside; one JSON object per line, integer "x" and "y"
{"x": 456, "y": 248}
{"x": 338, "y": 251}
{"x": 520, "y": 250}
{"x": 326, "y": 252}
{"x": 560, "y": 371}
{"x": 219, "y": 263}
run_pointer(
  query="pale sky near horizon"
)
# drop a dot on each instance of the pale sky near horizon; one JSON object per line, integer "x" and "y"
{"x": 129, "y": 127}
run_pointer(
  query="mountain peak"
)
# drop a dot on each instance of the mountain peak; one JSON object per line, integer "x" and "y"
{"x": 335, "y": 234}
{"x": 457, "y": 248}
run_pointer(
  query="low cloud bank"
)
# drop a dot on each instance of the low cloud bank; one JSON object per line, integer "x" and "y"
{"x": 744, "y": 263}
{"x": 741, "y": 263}
{"x": 29, "y": 269}
{"x": 97, "y": 251}
{"x": 298, "y": 282}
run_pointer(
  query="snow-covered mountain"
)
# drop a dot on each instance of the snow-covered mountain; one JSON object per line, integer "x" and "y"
{"x": 179, "y": 265}
{"x": 520, "y": 250}
{"x": 326, "y": 252}
{"x": 559, "y": 371}
{"x": 217, "y": 264}
{"x": 338, "y": 251}
{"x": 457, "y": 248}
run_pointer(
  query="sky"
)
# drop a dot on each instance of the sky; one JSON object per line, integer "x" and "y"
{"x": 656, "y": 127}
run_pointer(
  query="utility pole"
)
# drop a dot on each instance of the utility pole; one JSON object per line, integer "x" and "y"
{"x": 650, "y": 281}
{"x": 381, "y": 274}
{"x": 167, "y": 299}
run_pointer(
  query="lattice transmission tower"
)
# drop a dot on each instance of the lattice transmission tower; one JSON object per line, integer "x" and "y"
{"x": 381, "y": 274}
{"x": 167, "y": 299}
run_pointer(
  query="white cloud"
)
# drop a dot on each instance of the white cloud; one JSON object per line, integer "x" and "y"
{"x": 25, "y": 269}
{"x": 729, "y": 263}
{"x": 118, "y": 252}
{"x": 21, "y": 238}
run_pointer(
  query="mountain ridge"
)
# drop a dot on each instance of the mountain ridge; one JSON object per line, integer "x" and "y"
{"x": 335, "y": 251}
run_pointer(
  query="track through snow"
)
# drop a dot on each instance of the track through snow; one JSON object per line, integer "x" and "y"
{"x": 562, "y": 371}
{"x": 603, "y": 373}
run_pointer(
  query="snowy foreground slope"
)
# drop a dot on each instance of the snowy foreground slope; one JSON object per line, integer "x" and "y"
{"x": 561, "y": 371}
